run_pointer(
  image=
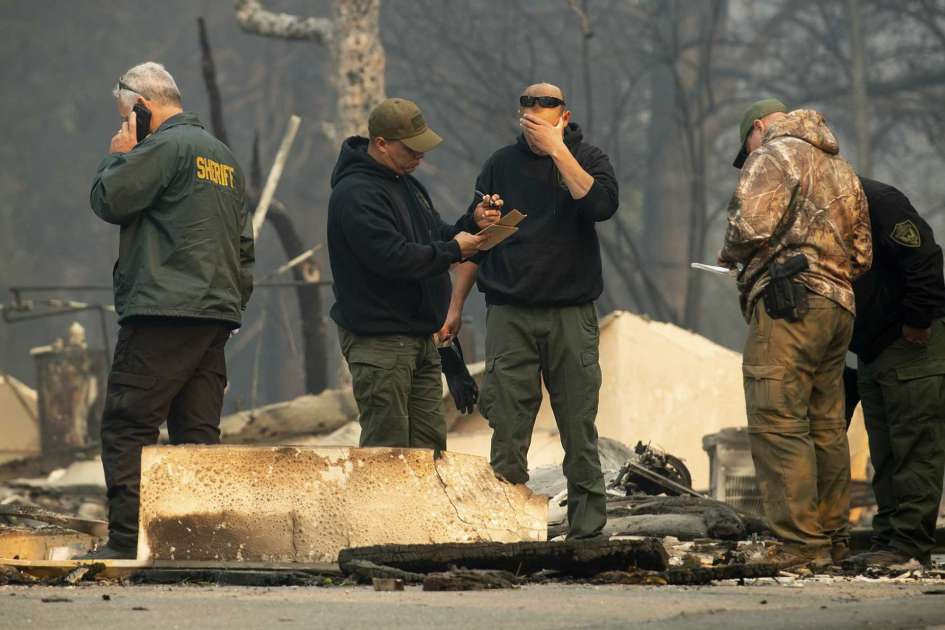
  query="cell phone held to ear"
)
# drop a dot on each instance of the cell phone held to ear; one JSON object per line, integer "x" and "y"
{"x": 142, "y": 120}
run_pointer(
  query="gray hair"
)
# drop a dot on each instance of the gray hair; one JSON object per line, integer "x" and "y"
{"x": 150, "y": 80}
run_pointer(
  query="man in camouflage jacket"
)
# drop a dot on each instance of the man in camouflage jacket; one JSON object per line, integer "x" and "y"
{"x": 796, "y": 195}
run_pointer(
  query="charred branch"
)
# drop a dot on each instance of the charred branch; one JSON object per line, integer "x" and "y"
{"x": 253, "y": 17}
{"x": 213, "y": 88}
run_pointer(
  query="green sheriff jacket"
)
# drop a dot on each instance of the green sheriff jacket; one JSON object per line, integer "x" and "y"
{"x": 186, "y": 243}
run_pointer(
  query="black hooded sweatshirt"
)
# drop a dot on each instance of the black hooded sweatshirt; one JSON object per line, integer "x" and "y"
{"x": 390, "y": 252}
{"x": 905, "y": 285}
{"x": 554, "y": 258}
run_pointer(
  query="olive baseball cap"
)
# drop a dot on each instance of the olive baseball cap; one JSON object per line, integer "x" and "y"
{"x": 758, "y": 109}
{"x": 400, "y": 119}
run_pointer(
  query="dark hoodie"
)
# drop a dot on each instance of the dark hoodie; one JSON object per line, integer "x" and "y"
{"x": 390, "y": 251}
{"x": 554, "y": 258}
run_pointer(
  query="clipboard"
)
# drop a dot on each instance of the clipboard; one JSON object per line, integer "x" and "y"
{"x": 501, "y": 230}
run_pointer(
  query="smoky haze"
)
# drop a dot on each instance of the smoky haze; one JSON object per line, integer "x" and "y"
{"x": 659, "y": 86}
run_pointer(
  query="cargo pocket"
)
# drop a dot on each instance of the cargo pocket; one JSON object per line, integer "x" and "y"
{"x": 916, "y": 407}
{"x": 908, "y": 373}
{"x": 486, "y": 394}
{"x": 138, "y": 381}
{"x": 590, "y": 361}
{"x": 922, "y": 390}
{"x": 127, "y": 395}
{"x": 591, "y": 382}
{"x": 370, "y": 373}
{"x": 764, "y": 388}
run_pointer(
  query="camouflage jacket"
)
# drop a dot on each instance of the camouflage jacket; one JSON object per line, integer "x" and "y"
{"x": 797, "y": 195}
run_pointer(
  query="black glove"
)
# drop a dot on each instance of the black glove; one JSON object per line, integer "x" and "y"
{"x": 462, "y": 386}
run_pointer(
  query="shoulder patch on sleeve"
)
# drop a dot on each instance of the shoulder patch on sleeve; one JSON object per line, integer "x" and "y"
{"x": 907, "y": 234}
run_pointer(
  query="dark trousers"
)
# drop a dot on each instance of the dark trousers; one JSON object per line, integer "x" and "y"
{"x": 164, "y": 370}
{"x": 397, "y": 382}
{"x": 560, "y": 345}
{"x": 903, "y": 392}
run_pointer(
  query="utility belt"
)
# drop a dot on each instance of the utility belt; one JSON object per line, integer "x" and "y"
{"x": 783, "y": 297}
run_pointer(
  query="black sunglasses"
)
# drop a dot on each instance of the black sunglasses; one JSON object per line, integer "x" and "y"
{"x": 544, "y": 101}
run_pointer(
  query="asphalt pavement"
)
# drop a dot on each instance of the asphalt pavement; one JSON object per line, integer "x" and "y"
{"x": 789, "y": 604}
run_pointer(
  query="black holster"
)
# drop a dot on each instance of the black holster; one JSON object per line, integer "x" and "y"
{"x": 784, "y": 298}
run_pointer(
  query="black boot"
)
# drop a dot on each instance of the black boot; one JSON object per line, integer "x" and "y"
{"x": 877, "y": 557}
{"x": 109, "y": 551}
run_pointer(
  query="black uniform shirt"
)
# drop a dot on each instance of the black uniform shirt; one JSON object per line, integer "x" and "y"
{"x": 905, "y": 284}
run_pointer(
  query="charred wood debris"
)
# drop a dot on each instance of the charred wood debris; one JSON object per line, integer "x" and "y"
{"x": 660, "y": 532}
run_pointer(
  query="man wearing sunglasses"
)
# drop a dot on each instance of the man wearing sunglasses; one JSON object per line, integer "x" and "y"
{"x": 540, "y": 286}
{"x": 390, "y": 258}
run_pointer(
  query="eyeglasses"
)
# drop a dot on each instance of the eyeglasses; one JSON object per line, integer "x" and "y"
{"x": 544, "y": 101}
{"x": 124, "y": 86}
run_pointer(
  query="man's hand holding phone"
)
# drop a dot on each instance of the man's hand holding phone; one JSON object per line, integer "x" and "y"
{"x": 127, "y": 136}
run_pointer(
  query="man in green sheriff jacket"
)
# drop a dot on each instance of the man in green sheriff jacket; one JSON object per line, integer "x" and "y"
{"x": 182, "y": 280}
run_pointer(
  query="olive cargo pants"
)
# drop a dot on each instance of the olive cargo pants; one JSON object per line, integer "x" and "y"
{"x": 903, "y": 394}
{"x": 398, "y": 388}
{"x": 559, "y": 344}
{"x": 793, "y": 376}
{"x": 165, "y": 369}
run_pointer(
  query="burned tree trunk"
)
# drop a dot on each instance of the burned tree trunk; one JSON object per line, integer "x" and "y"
{"x": 308, "y": 292}
{"x": 352, "y": 36}
{"x": 309, "y": 296}
{"x": 359, "y": 63}
{"x": 676, "y": 195}
{"x": 209, "y": 70}
{"x": 668, "y": 192}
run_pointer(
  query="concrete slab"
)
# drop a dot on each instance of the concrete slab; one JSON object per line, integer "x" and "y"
{"x": 305, "y": 504}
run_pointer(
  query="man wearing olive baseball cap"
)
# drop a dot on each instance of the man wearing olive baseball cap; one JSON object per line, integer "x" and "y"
{"x": 758, "y": 111}
{"x": 799, "y": 229}
{"x": 390, "y": 258}
{"x": 400, "y": 119}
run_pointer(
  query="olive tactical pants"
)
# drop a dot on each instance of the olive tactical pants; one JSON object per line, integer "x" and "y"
{"x": 793, "y": 375}
{"x": 398, "y": 388}
{"x": 164, "y": 369}
{"x": 559, "y": 344}
{"x": 903, "y": 394}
